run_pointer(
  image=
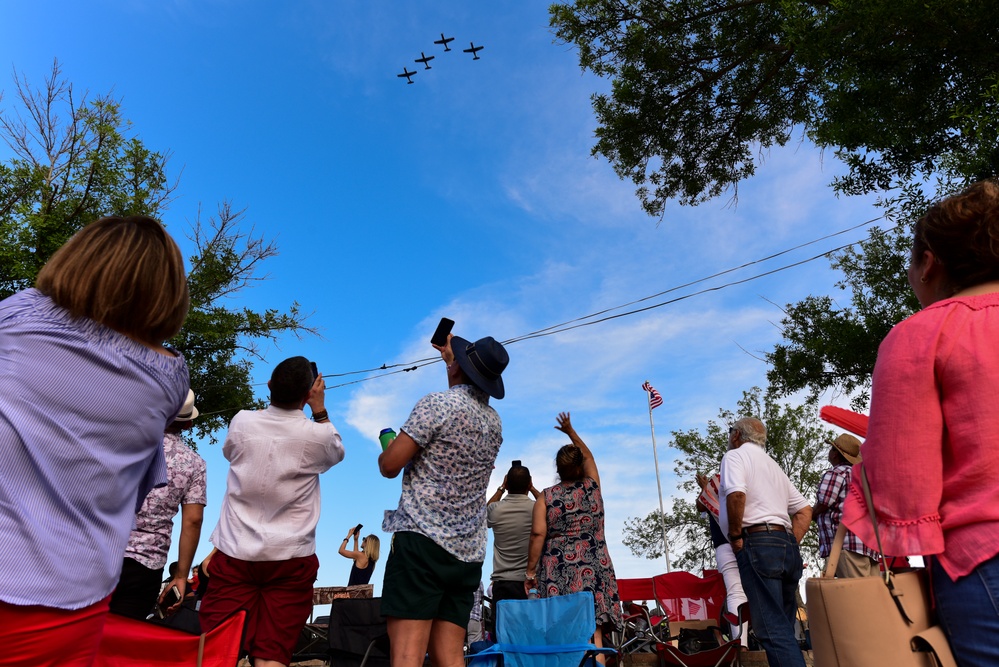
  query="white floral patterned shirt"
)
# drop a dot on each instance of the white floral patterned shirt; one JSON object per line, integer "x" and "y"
{"x": 149, "y": 541}
{"x": 444, "y": 486}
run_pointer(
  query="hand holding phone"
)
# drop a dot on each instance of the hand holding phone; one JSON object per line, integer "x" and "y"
{"x": 357, "y": 530}
{"x": 171, "y": 598}
{"x": 439, "y": 338}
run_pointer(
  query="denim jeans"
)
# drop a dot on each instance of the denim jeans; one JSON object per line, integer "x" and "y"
{"x": 969, "y": 612}
{"x": 770, "y": 567}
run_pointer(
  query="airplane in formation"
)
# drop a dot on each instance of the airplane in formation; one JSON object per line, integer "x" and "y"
{"x": 425, "y": 60}
{"x": 444, "y": 40}
{"x": 407, "y": 74}
{"x": 474, "y": 50}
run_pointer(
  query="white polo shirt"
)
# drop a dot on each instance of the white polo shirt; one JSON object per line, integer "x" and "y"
{"x": 770, "y": 496}
{"x": 271, "y": 505}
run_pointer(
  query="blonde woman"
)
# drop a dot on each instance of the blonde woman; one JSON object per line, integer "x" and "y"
{"x": 364, "y": 557}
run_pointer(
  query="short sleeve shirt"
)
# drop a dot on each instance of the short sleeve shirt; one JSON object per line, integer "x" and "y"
{"x": 511, "y": 520}
{"x": 770, "y": 495}
{"x": 444, "y": 485}
{"x": 186, "y": 479}
{"x": 832, "y": 493}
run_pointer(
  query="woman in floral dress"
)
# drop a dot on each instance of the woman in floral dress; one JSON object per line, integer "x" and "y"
{"x": 567, "y": 537}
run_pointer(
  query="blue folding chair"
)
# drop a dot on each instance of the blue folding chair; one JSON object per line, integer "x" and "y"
{"x": 548, "y": 632}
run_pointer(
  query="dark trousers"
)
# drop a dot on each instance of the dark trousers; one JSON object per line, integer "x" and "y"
{"x": 770, "y": 567}
{"x": 506, "y": 590}
{"x": 137, "y": 589}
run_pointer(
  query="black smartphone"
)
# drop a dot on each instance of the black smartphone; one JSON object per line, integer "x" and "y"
{"x": 443, "y": 329}
{"x": 357, "y": 531}
{"x": 516, "y": 464}
{"x": 315, "y": 370}
{"x": 172, "y": 598}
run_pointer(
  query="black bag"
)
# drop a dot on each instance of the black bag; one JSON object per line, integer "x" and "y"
{"x": 693, "y": 640}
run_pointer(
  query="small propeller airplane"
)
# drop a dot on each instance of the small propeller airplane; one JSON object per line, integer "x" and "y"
{"x": 444, "y": 40}
{"x": 474, "y": 50}
{"x": 425, "y": 60}
{"x": 407, "y": 74}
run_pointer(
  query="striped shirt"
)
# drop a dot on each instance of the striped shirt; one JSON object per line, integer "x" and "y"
{"x": 82, "y": 413}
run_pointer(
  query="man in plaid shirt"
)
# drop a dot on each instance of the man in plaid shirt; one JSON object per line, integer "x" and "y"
{"x": 856, "y": 560}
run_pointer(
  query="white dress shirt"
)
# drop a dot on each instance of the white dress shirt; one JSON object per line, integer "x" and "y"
{"x": 271, "y": 505}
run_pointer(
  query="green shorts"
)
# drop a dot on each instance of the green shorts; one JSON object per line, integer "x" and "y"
{"x": 423, "y": 581}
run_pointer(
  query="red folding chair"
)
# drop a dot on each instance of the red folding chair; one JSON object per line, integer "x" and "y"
{"x": 130, "y": 643}
{"x": 694, "y": 604}
{"x": 638, "y": 635}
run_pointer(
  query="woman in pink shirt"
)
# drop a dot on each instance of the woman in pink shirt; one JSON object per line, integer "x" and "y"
{"x": 932, "y": 449}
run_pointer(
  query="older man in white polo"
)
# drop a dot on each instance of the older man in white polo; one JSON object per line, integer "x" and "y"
{"x": 764, "y": 517}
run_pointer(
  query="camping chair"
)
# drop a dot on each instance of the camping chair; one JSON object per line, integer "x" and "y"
{"x": 693, "y": 607}
{"x": 358, "y": 636}
{"x": 638, "y": 635}
{"x": 130, "y": 643}
{"x": 313, "y": 643}
{"x": 546, "y": 632}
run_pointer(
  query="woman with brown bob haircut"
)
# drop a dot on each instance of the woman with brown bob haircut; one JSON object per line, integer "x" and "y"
{"x": 86, "y": 391}
{"x": 932, "y": 448}
{"x": 126, "y": 273}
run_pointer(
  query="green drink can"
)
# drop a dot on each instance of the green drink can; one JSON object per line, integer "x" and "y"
{"x": 386, "y": 436}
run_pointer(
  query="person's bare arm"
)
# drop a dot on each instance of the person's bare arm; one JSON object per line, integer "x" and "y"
{"x": 191, "y": 517}
{"x": 539, "y": 530}
{"x": 496, "y": 497}
{"x": 800, "y": 522}
{"x": 818, "y": 509}
{"x": 735, "y": 505}
{"x": 399, "y": 452}
{"x": 347, "y": 553}
{"x": 589, "y": 463}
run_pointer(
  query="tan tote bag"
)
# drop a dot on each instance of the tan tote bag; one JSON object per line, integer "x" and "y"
{"x": 884, "y": 621}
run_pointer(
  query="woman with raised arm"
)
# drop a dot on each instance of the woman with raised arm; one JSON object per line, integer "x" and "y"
{"x": 363, "y": 555}
{"x": 568, "y": 552}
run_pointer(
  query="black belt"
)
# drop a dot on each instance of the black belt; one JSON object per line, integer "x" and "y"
{"x": 768, "y": 527}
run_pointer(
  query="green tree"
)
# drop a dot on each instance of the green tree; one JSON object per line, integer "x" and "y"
{"x": 700, "y": 89}
{"x": 795, "y": 439}
{"x": 74, "y": 160}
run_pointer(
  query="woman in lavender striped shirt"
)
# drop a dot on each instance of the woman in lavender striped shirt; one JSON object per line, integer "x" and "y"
{"x": 86, "y": 389}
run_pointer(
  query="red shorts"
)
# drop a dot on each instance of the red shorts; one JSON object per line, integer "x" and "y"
{"x": 277, "y": 596}
{"x": 49, "y": 637}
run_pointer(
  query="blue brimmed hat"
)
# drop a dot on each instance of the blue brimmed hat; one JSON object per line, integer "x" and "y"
{"x": 483, "y": 362}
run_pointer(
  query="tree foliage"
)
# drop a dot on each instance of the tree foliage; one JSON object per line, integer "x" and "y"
{"x": 701, "y": 88}
{"x": 795, "y": 439}
{"x": 74, "y": 160}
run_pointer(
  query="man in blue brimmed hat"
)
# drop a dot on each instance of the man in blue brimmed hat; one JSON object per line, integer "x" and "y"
{"x": 447, "y": 447}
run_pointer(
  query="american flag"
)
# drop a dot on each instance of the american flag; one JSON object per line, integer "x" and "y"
{"x": 655, "y": 400}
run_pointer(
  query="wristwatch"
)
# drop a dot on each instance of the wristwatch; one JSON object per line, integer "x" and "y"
{"x": 733, "y": 538}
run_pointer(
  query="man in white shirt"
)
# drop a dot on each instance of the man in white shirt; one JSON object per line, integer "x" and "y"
{"x": 765, "y": 518}
{"x": 266, "y": 536}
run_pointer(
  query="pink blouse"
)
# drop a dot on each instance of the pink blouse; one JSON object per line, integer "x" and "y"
{"x": 932, "y": 449}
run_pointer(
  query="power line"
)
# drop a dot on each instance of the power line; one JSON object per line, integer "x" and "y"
{"x": 580, "y": 322}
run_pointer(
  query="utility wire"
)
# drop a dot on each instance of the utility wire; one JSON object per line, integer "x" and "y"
{"x": 582, "y": 321}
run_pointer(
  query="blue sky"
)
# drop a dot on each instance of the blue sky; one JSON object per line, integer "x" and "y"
{"x": 470, "y": 194}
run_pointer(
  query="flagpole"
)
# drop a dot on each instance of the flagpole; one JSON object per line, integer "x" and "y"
{"x": 659, "y": 486}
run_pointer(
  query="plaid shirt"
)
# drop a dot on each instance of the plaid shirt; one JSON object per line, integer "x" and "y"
{"x": 832, "y": 493}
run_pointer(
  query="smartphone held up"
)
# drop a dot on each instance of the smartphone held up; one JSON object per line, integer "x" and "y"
{"x": 439, "y": 338}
